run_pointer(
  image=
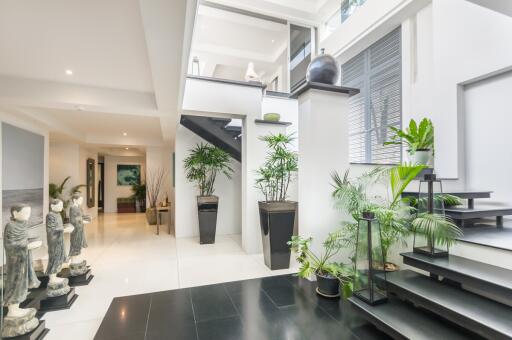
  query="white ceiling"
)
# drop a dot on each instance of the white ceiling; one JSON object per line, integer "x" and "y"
{"x": 128, "y": 59}
{"x": 102, "y": 42}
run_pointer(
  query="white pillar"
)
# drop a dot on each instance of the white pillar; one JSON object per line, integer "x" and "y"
{"x": 323, "y": 148}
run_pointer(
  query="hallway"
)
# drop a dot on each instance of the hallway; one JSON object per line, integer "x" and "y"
{"x": 127, "y": 258}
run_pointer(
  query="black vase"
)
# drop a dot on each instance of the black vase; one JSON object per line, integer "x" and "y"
{"x": 328, "y": 285}
{"x": 323, "y": 69}
{"x": 207, "y": 207}
{"x": 277, "y": 221}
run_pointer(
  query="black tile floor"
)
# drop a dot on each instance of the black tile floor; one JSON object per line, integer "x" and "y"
{"x": 280, "y": 307}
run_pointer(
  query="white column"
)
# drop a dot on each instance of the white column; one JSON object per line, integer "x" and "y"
{"x": 323, "y": 148}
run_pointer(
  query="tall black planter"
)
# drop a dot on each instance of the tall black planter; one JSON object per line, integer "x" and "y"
{"x": 207, "y": 207}
{"x": 277, "y": 220}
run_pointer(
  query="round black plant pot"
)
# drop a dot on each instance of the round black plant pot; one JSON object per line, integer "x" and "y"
{"x": 327, "y": 285}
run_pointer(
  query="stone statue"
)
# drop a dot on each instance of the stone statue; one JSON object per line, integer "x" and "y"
{"x": 56, "y": 253}
{"x": 77, "y": 266}
{"x": 18, "y": 321}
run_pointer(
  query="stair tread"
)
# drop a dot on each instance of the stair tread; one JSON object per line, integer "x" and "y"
{"x": 487, "y": 313}
{"x": 477, "y": 212}
{"x": 478, "y": 270}
{"x": 408, "y": 321}
{"x": 470, "y": 194}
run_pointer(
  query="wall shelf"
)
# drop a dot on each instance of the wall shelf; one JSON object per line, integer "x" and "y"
{"x": 262, "y": 121}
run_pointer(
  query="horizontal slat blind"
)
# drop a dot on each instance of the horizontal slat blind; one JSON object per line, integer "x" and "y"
{"x": 377, "y": 72}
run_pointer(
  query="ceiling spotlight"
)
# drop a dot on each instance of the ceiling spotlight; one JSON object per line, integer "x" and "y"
{"x": 125, "y": 134}
{"x": 273, "y": 41}
{"x": 69, "y": 72}
{"x": 127, "y": 148}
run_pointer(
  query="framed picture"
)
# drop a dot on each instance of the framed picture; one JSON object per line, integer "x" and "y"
{"x": 22, "y": 172}
{"x": 128, "y": 174}
{"x": 91, "y": 182}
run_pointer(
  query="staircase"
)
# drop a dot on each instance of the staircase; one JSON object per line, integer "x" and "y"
{"x": 217, "y": 131}
{"x": 427, "y": 307}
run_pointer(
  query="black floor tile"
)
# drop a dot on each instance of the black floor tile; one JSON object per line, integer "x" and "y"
{"x": 211, "y": 302}
{"x": 281, "y": 290}
{"x": 221, "y": 329}
{"x": 126, "y": 318}
{"x": 245, "y": 286}
{"x": 171, "y": 316}
{"x": 254, "y": 303}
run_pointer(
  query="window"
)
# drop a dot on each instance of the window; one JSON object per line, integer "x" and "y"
{"x": 377, "y": 72}
{"x": 274, "y": 85}
{"x": 300, "y": 54}
{"x": 348, "y": 7}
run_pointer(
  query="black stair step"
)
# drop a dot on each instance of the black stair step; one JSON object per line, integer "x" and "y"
{"x": 485, "y": 317}
{"x": 459, "y": 194}
{"x": 401, "y": 320}
{"x": 494, "y": 280}
{"x": 459, "y": 213}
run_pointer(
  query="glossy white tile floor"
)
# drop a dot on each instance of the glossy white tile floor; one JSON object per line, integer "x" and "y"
{"x": 127, "y": 258}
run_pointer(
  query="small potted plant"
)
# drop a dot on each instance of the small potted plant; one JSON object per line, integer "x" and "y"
{"x": 277, "y": 215}
{"x": 139, "y": 195}
{"x": 329, "y": 274}
{"x": 418, "y": 138}
{"x": 202, "y": 166}
{"x": 57, "y": 191}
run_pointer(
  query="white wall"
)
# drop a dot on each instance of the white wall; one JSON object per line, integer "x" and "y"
{"x": 112, "y": 190}
{"x": 229, "y": 220}
{"x": 488, "y": 120}
{"x": 70, "y": 159}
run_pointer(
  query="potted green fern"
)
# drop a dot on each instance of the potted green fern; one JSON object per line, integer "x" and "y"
{"x": 418, "y": 138}
{"x": 202, "y": 166}
{"x": 277, "y": 214}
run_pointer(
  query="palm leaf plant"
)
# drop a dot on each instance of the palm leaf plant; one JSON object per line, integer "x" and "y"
{"x": 277, "y": 214}
{"x": 419, "y": 139}
{"x": 58, "y": 191}
{"x": 202, "y": 167}
{"x": 438, "y": 229}
{"x": 323, "y": 265}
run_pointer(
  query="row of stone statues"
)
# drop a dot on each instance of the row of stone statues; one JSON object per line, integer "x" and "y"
{"x": 20, "y": 275}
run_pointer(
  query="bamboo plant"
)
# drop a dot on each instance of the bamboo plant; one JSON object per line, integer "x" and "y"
{"x": 280, "y": 167}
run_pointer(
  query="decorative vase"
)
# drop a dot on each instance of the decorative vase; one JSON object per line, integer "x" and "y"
{"x": 323, "y": 69}
{"x": 151, "y": 216}
{"x": 272, "y": 117}
{"x": 207, "y": 207}
{"x": 327, "y": 285}
{"x": 277, "y": 221}
{"x": 421, "y": 156}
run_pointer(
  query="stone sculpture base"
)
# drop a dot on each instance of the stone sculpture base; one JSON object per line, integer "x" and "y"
{"x": 16, "y": 326}
{"x": 80, "y": 280}
{"x": 76, "y": 269}
{"x": 59, "y": 302}
{"x": 37, "y": 334}
{"x": 57, "y": 289}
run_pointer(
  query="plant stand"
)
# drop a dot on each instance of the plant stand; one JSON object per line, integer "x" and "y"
{"x": 277, "y": 220}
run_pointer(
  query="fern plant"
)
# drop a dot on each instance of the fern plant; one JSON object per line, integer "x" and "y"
{"x": 416, "y": 137}
{"x": 311, "y": 263}
{"x": 57, "y": 191}
{"x": 203, "y": 165}
{"x": 281, "y": 164}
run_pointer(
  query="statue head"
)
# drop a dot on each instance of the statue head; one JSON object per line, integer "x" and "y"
{"x": 20, "y": 212}
{"x": 56, "y": 205}
{"x": 77, "y": 199}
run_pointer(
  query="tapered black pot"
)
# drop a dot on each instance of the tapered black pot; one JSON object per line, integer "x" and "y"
{"x": 207, "y": 207}
{"x": 277, "y": 220}
{"x": 327, "y": 285}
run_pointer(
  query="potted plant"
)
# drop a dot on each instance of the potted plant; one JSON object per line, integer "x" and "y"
{"x": 154, "y": 182}
{"x": 139, "y": 195}
{"x": 419, "y": 140}
{"x": 57, "y": 191}
{"x": 202, "y": 166}
{"x": 277, "y": 215}
{"x": 329, "y": 274}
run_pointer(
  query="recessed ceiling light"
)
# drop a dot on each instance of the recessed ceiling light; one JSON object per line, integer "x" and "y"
{"x": 125, "y": 134}
{"x": 69, "y": 72}
{"x": 127, "y": 148}
{"x": 273, "y": 41}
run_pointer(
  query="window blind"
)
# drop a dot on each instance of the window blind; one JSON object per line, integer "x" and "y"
{"x": 377, "y": 72}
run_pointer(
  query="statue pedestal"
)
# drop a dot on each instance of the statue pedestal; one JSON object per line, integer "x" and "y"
{"x": 16, "y": 326}
{"x": 37, "y": 334}
{"x": 59, "y": 302}
{"x": 79, "y": 280}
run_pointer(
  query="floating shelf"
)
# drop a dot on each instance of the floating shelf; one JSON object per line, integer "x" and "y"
{"x": 262, "y": 121}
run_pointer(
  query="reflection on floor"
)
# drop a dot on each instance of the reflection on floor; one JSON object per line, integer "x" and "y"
{"x": 280, "y": 307}
{"x": 128, "y": 258}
